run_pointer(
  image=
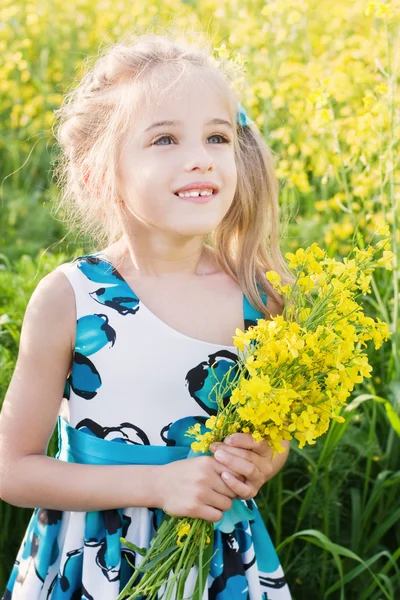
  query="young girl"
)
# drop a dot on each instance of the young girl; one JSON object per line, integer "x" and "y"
{"x": 160, "y": 162}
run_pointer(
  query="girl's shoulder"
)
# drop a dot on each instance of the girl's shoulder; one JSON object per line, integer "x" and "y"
{"x": 51, "y": 310}
{"x": 80, "y": 268}
{"x": 55, "y": 299}
{"x": 54, "y": 287}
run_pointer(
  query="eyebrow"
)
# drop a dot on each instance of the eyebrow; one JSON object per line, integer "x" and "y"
{"x": 212, "y": 122}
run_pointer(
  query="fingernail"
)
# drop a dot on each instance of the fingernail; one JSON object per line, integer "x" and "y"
{"x": 212, "y": 447}
{"x": 219, "y": 454}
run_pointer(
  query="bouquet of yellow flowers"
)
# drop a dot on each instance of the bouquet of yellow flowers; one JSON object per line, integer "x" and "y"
{"x": 293, "y": 375}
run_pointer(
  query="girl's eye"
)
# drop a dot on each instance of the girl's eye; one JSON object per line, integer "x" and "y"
{"x": 225, "y": 139}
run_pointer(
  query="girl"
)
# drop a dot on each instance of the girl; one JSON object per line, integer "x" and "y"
{"x": 118, "y": 345}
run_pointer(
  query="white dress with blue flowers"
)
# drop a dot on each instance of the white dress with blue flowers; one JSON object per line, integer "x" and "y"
{"x": 135, "y": 381}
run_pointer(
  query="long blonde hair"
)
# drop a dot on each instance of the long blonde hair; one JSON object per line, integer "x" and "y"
{"x": 93, "y": 122}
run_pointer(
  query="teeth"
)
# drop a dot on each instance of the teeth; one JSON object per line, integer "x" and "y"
{"x": 195, "y": 193}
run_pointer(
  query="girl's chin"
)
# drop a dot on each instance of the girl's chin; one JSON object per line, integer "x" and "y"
{"x": 198, "y": 228}
{"x": 197, "y": 223}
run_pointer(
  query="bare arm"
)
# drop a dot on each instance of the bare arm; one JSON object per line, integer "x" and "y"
{"x": 28, "y": 477}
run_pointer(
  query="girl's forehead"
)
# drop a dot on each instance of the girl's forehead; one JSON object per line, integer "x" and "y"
{"x": 194, "y": 96}
{"x": 186, "y": 104}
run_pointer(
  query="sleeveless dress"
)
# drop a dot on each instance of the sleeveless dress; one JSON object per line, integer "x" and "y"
{"x": 138, "y": 383}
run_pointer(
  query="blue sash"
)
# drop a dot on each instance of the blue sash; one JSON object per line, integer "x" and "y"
{"x": 80, "y": 447}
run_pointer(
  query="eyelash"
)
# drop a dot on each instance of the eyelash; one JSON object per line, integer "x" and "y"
{"x": 226, "y": 140}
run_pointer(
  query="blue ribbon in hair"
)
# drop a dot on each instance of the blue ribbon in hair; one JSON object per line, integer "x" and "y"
{"x": 242, "y": 117}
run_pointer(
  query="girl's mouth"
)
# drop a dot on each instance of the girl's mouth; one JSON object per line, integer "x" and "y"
{"x": 198, "y": 199}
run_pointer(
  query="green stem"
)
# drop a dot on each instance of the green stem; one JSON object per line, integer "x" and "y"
{"x": 163, "y": 530}
{"x": 393, "y": 200}
{"x": 371, "y": 437}
{"x": 148, "y": 579}
{"x": 382, "y": 307}
{"x": 183, "y": 554}
{"x": 278, "y": 528}
{"x": 326, "y": 527}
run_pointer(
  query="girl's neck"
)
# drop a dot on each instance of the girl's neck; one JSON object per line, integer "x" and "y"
{"x": 158, "y": 258}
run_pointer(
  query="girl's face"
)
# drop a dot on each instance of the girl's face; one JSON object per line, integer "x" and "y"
{"x": 157, "y": 160}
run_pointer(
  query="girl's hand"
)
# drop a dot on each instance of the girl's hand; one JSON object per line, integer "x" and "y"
{"x": 240, "y": 453}
{"x": 193, "y": 488}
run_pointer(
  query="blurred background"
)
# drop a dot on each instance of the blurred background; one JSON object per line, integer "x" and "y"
{"x": 321, "y": 82}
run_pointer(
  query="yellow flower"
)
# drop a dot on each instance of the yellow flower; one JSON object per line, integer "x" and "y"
{"x": 383, "y": 230}
{"x": 387, "y": 260}
{"x": 238, "y": 396}
{"x": 257, "y": 437}
{"x": 306, "y": 283}
{"x": 183, "y": 530}
{"x": 211, "y": 422}
{"x": 338, "y": 418}
{"x": 194, "y": 430}
{"x": 285, "y": 290}
{"x": 296, "y": 376}
{"x": 252, "y": 365}
{"x": 385, "y": 244}
{"x": 273, "y": 277}
{"x": 296, "y": 259}
{"x": 380, "y": 9}
{"x": 304, "y": 313}
{"x": 364, "y": 283}
{"x": 242, "y": 339}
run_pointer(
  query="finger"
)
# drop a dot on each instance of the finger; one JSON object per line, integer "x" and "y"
{"x": 263, "y": 463}
{"x": 243, "y": 490}
{"x": 238, "y": 464}
{"x": 220, "y": 501}
{"x": 245, "y": 440}
{"x": 248, "y": 455}
{"x": 219, "y": 467}
{"x": 221, "y": 487}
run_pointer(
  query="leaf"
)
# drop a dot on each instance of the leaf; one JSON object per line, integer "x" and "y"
{"x": 382, "y": 528}
{"x": 391, "y": 562}
{"x": 319, "y": 539}
{"x": 392, "y": 415}
{"x": 362, "y": 398}
{"x": 394, "y": 392}
{"x": 154, "y": 561}
{"x": 203, "y": 562}
{"x": 305, "y": 455}
{"x": 131, "y": 546}
{"x": 356, "y": 571}
{"x": 356, "y": 512}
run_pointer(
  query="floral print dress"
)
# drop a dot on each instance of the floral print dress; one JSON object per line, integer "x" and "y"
{"x": 135, "y": 381}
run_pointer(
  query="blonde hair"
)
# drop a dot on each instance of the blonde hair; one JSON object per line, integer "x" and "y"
{"x": 92, "y": 125}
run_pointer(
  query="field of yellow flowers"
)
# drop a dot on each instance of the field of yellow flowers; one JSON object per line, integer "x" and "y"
{"x": 321, "y": 81}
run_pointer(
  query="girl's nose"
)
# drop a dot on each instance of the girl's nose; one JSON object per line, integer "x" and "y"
{"x": 199, "y": 157}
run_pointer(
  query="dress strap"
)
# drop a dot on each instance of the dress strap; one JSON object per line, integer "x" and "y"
{"x": 251, "y": 314}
